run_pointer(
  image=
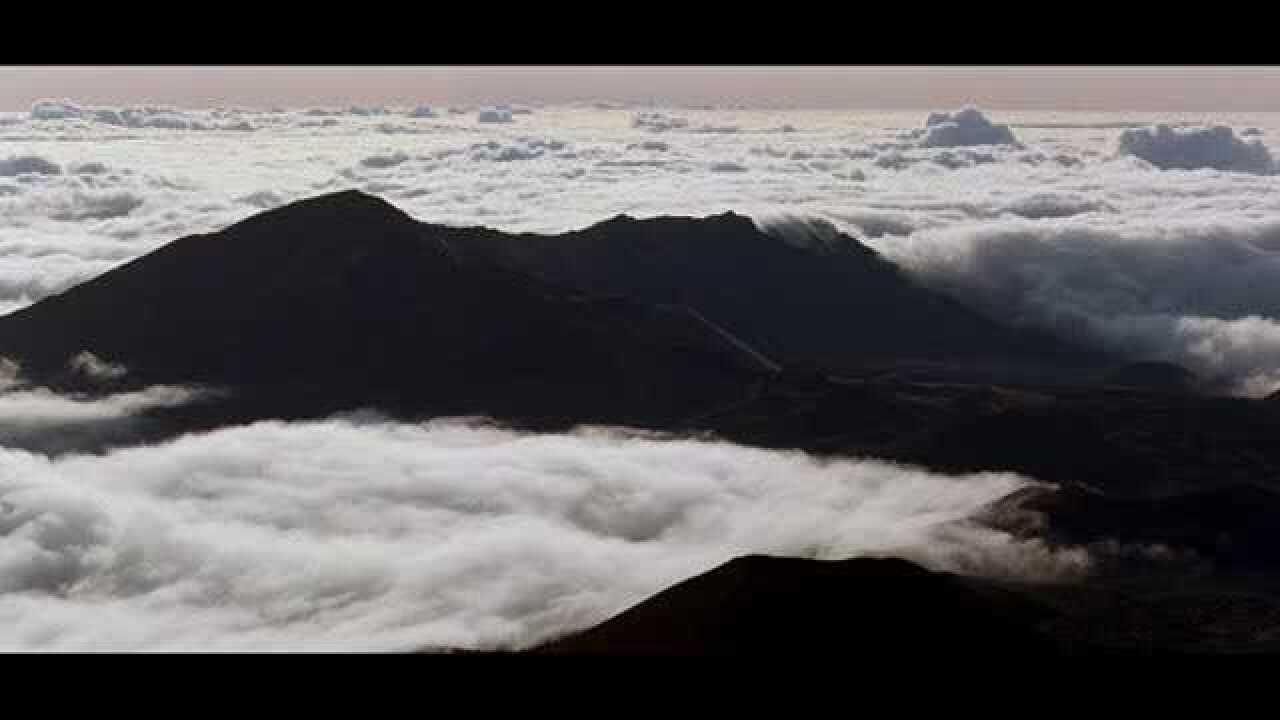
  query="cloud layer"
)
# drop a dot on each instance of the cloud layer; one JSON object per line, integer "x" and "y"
{"x": 360, "y": 534}
{"x": 81, "y": 192}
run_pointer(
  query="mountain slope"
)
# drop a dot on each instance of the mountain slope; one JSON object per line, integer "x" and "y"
{"x": 826, "y": 302}
{"x": 779, "y": 607}
{"x": 343, "y": 300}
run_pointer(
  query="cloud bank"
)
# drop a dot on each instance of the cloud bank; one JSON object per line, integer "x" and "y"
{"x": 80, "y": 194}
{"x": 1216, "y": 147}
{"x": 964, "y": 127}
{"x": 1205, "y": 296}
{"x": 355, "y": 534}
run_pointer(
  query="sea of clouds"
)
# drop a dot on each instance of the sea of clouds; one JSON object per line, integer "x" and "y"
{"x": 1155, "y": 234}
{"x": 360, "y": 534}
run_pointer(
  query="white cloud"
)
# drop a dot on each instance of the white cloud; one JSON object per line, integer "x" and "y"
{"x": 41, "y": 408}
{"x": 24, "y": 164}
{"x": 384, "y": 160}
{"x": 658, "y": 122}
{"x": 95, "y": 368}
{"x": 964, "y": 127}
{"x": 1204, "y": 295}
{"x": 358, "y": 534}
{"x": 24, "y": 406}
{"x": 494, "y": 115}
{"x": 55, "y": 110}
{"x": 1216, "y": 147}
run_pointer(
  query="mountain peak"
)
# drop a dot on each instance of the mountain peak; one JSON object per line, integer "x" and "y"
{"x": 347, "y": 207}
{"x": 790, "y": 606}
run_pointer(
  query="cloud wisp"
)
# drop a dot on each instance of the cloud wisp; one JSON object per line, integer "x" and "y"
{"x": 37, "y": 418}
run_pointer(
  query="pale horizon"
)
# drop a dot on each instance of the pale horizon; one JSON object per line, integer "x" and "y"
{"x": 1013, "y": 88}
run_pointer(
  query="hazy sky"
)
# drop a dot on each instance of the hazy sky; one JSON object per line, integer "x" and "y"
{"x": 912, "y": 87}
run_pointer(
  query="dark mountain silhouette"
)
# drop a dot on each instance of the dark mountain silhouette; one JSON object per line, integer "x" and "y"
{"x": 831, "y": 303}
{"x": 343, "y": 300}
{"x": 1131, "y": 443}
{"x": 877, "y": 609}
{"x": 1230, "y": 527}
{"x": 784, "y": 607}
{"x": 1153, "y": 376}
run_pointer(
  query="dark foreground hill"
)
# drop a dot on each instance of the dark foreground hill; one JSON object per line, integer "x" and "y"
{"x": 870, "y": 610}
{"x": 783, "y": 607}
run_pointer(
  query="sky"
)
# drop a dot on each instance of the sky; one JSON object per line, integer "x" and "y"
{"x": 1105, "y": 88}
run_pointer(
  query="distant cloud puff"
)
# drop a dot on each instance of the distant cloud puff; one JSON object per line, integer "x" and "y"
{"x": 384, "y": 160}
{"x": 658, "y": 122}
{"x": 965, "y": 127}
{"x": 56, "y": 110}
{"x": 24, "y": 164}
{"x": 95, "y": 368}
{"x": 1215, "y": 147}
{"x": 494, "y": 115}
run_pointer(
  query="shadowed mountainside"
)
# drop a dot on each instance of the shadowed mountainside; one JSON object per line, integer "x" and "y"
{"x": 778, "y": 607}
{"x": 808, "y": 302}
{"x": 758, "y": 606}
{"x": 343, "y": 300}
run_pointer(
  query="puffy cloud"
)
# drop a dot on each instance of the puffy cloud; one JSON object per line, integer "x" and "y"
{"x": 41, "y": 408}
{"x": 356, "y": 534}
{"x": 810, "y": 233}
{"x": 384, "y": 160}
{"x": 56, "y": 110}
{"x": 95, "y": 206}
{"x": 95, "y": 368}
{"x": 89, "y": 168}
{"x": 963, "y": 158}
{"x": 1054, "y": 205}
{"x": 24, "y": 164}
{"x": 265, "y": 199}
{"x": 494, "y": 115}
{"x": 1206, "y": 296}
{"x": 964, "y": 127}
{"x": 658, "y": 122}
{"x": 1214, "y": 147}
{"x": 718, "y": 129}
